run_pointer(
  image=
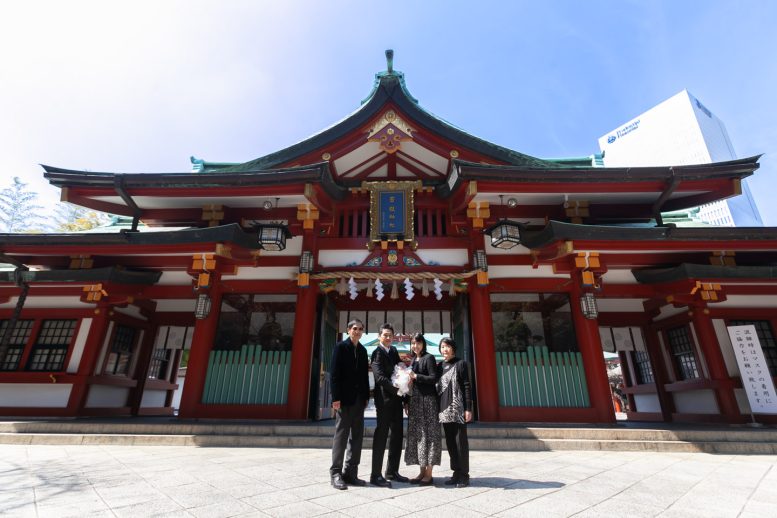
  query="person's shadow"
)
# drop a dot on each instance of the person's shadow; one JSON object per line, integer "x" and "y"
{"x": 512, "y": 483}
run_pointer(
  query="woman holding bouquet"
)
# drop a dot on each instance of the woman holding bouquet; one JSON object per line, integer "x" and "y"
{"x": 424, "y": 443}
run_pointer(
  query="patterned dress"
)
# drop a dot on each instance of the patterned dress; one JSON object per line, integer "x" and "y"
{"x": 424, "y": 441}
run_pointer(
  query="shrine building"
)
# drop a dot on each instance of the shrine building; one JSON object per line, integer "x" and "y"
{"x": 247, "y": 274}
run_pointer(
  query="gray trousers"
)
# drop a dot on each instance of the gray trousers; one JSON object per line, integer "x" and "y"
{"x": 349, "y": 431}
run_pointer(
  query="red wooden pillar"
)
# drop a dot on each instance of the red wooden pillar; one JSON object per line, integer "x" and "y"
{"x": 86, "y": 366}
{"x": 659, "y": 373}
{"x": 708, "y": 341}
{"x": 485, "y": 357}
{"x": 202, "y": 344}
{"x": 590, "y": 344}
{"x": 302, "y": 352}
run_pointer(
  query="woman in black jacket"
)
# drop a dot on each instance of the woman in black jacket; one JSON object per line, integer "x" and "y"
{"x": 424, "y": 443}
{"x": 455, "y": 410}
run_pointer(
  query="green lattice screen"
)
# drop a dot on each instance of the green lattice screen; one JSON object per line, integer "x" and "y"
{"x": 249, "y": 376}
{"x": 539, "y": 378}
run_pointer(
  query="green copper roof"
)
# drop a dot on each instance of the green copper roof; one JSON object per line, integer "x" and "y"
{"x": 389, "y": 87}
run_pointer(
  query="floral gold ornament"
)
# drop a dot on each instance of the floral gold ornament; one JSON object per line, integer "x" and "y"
{"x": 389, "y": 131}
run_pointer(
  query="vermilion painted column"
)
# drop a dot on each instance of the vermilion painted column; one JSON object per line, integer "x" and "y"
{"x": 87, "y": 365}
{"x": 659, "y": 373}
{"x": 590, "y": 344}
{"x": 302, "y": 352}
{"x": 708, "y": 341}
{"x": 485, "y": 357}
{"x": 202, "y": 344}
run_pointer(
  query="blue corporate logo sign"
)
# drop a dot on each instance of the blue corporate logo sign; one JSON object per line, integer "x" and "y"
{"x": 611, "y": 139}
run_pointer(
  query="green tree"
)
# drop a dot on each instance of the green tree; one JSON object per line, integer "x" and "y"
{"x": 18, "y": 210}
{"x": 72, "y": 218}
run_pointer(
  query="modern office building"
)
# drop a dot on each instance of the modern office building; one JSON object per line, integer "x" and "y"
{"x": 681, "y": 131}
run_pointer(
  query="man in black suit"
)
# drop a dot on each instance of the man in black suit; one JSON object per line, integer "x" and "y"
{"x": 389, "y": 409}
{"x": 350, "y": 386}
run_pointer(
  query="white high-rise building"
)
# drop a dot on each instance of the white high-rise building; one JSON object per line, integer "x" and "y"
{"x": 681, "y": 131}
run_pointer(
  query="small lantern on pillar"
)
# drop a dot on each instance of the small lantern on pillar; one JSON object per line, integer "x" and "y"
{"x": 479, "y": 260}
{"x": 202, "y": 306}
{"x": 273, "y": 236}
{"x": 588, "y": 306}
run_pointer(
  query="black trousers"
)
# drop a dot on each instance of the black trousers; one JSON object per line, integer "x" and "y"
{"x": 349, "y": 431}
{"x": 389, "y": 419}
{"x": 458, "y": 448}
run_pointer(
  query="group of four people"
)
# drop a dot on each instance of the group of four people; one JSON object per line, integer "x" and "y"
{"x": 441, "y": 394}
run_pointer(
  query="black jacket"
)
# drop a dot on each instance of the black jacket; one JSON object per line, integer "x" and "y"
{"x": 382, "y": 368}
{"x": 349, "y": 373}
{"x": 425, "y": 369}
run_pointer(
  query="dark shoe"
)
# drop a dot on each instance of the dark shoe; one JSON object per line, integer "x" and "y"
{"x": 353, "y": 481}
{"x": 416, "y": 480}
{"x": 396, "y": 476}
{"x": 337, "y": 482}
{"x": 379, "y": 481}
{"x": 452, "y": 481}
{"x": 463, "y": 482}
{"x": 429, "y": 482}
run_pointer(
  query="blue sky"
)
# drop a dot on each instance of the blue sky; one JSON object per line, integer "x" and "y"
{"x": 141, "y": 86}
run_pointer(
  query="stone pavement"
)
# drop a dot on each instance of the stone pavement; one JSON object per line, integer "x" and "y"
{"x": 133, "y": 481}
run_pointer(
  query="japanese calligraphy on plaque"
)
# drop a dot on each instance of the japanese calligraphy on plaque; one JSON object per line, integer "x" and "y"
{"x": 391, "y": 210}
{"x": 753, "y": 369}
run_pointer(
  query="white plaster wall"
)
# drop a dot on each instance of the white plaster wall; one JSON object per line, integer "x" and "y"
{"x": 283, "y": 273}
{"x": 131, "y": 311}
{"x": 175, "y": 278}
{"x": 104, "y": 396}
{"x": 79, "y": 344}
{"x": 524, "y": 272}
{"x": 35, "y": 395}
{"x": 445, "y": 257}
{"x": 153, "y": 398}
{"x": 696, "y": 402}
{"x": 335, "y": 258}
{"x": 618, "y": 277}
{"x": 165, "y": 305}
{"x": 620, "y": 305}
{"x": 742, "y": 402}
{"x": 647, "y": 403}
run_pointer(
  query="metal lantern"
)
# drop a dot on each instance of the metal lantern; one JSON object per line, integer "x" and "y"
{"x": 505, "y": 234}
{"x": 588, "y": 306}
{"x": 306, "y": 262}
{"x": 273, "y": 236}
{"x": 202, "y": 306}
{"x": 479, "y": 260}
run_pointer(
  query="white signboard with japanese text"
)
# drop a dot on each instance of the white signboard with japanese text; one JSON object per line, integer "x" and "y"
{"x": 756, "y": 379}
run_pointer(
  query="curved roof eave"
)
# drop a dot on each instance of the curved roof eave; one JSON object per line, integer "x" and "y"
{"x": 556, "y": 231}
{"x": 390, "y": 87}
{"x": 690, "y": 271}
{"x": 320, "y": 172}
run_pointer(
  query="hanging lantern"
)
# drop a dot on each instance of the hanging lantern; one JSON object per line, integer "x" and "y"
{"x": 202, "y": 306}
{"x": 273, "y": 236}
{"x": 588, "y": 306}
{"x": 505, "y": 234}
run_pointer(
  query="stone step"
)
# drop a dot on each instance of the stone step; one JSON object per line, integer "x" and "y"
{"x": 482, "y": 436}
{"x": 325, "y": 441}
